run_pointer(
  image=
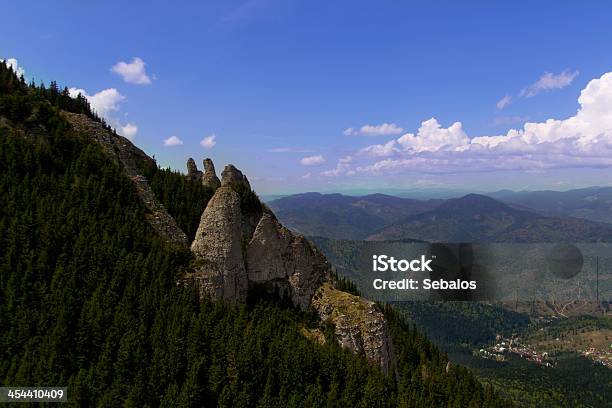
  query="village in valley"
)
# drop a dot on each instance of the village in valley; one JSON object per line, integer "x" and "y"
{"x": 545, "y": 352}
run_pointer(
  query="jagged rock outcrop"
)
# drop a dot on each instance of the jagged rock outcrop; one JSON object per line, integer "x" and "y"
{"x": 209, "y": 178}
{"x": 237, "y": 246}
{"x": 127, "y": 155}
{"x": 231, "y": 176}
{"x": 289, "y": 261}
{"x": 240, "y": 244}
{"x": 192, "y": 170}
{"x": 221, "y": 271}
{"x": 359, "y": 325}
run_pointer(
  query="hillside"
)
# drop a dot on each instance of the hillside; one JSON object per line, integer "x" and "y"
{"x": 344, "y": 217}
{"x": 478, "y": 218}
{"x": 89, "y": 296}
{"x": 578, "y": 346}
{"x": 593, "y": 203}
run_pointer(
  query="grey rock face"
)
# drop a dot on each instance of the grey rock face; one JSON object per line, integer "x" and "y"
{"x": 289, "y": 261}
{"x": 209, "y": 178}
{"x": 237, "y": 247}
{"x": 192, "y": 170}
{"x": 220, "y": 269}
{"x": 232, "y": 176}
{"x": 359, "y": 325}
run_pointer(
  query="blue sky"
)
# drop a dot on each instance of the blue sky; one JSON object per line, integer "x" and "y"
{"x": 280, "y": 85}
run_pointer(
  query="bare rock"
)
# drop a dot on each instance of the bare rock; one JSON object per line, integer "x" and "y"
{"x": 192, "y": 170}
{"x": 276, "y": 255}
{"x": 240, "y": 243}
{"x": 209, "y": 178}
{"x": 220, "y": 271}
{"x": 359, "y": 325}
{"x": 267, "y": 252}
{"x": 231, "y": 176}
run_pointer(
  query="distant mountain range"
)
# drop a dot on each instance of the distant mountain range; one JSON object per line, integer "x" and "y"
{"x": 345, "y": 217}
{"x": 572, "y": 216}
{"x": 593, "y": 203}
{"x": 478, "y": 218}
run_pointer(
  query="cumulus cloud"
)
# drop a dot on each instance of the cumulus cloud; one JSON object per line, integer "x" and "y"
{"x": 103, "y": 102}
{"x": 209, "y": 141}
{"x": 14, "y": 64}
{"x": 582, "y": 140}
{"x": 342, "y": 167}
{"x": 432, "y": 137}
{"x": 312, "y": 160}
{"x": 380, "y": 150}
{"x": 549, "y": 81}
{"x": 129, "y": 130}
{"x": 133, "y": 72}
{"x": 384, "y": 129}
{"x": 106, "y": 103}
{"x": 173, "y": 141}
{"x": 503, "y": 102}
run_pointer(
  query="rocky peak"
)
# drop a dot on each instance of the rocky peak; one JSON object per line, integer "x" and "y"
{"x": 192, "y": 170}
{"x": 241, "y": 244}
{"x": 209, "y": 166}
{"x": 231, "y": 176}
{"x": 359, "y": 325}
{"x": 209, "y": 178}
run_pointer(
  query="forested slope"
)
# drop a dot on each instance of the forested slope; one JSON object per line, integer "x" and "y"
{"x": 89, "y": 300}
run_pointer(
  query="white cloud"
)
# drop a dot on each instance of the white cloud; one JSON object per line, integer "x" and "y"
{"x": 306, "y": 176}
{"x": 503, "y": 102}
{"x": 432, "y": 137}
{"x": 549, "y": 81}
{"x": 384, "y": 129}
{"x": 312, "y": 160}
{"x": 14, "y": 64}
{"x": 133, "y": 73}
{"x": 342, "y": 167}
{"x": 380, "y": 150}
{"x": 583, "y": 140}
{"x": 129, "y": 130}
{"x": 105, "y": 103}
{"x": 173, "y": 141}
{"x": 209, "y": 141}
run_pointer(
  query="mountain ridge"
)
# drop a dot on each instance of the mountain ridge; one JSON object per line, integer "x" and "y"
{"x": 379, "y": 217}
{"x": 479, "y": 218}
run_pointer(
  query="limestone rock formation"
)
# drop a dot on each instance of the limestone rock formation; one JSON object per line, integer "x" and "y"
{"x": 240, "y": 244}
{"x": 232, "y": 176}
{"x": 359, "y": 325}
{"x": 209, "y": 178}
{"x": 289, "y": 261}
{"x": 217, "y": 247}
{"x": 192, "y": 170}
{"x": 236, "y": 246}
